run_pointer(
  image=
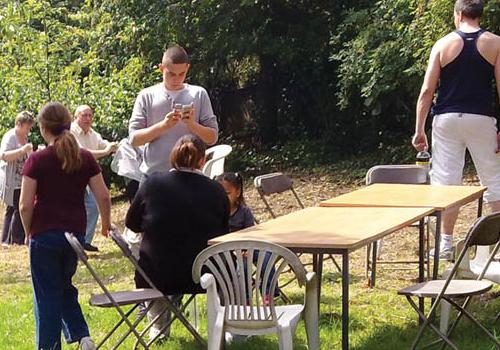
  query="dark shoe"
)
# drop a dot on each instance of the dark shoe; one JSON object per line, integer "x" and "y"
{"x": 90, "y": 248}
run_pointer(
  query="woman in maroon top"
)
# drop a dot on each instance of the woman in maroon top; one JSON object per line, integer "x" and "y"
{"x": 52, "y": 202}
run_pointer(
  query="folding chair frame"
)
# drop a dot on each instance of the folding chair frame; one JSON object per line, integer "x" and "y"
{"x": 178, "y": 312}
{"x": 75, "y": 244}
{"x": 426, "y": 319}
{"x": 273, "y": 215}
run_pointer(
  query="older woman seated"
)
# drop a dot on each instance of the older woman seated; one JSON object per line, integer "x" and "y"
{"x": 178, "y": 211}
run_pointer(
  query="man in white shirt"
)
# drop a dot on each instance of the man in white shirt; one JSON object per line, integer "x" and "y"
{"x": 92, "y": 141}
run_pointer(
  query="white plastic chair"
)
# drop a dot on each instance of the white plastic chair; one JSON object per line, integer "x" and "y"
{"x": 236, "y": 301}
{"x": 215, "y": 165}
{"x": 470, "y": 269}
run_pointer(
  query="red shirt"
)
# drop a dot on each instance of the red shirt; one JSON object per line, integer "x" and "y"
{"x": 59, "y": 199}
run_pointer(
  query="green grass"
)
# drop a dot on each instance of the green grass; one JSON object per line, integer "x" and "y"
{"x": 379, "y": 318}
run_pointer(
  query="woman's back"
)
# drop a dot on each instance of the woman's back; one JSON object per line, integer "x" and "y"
{"x": 179, "y": 212}
{"x": 59, "y": 195}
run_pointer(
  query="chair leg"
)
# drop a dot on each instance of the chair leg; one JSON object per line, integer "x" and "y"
{"x": 216, "y": 333}
{"x": 427, "y": 323}
{"x": 367, "y": 261}
{"x": 445, "y": 316}
{"x": 285, "y": 337}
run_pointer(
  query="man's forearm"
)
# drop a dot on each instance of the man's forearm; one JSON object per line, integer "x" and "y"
{"x": 423, "y": 107}
{"x": 143, "y": 136}
{"x": 99, "y": 153}
{"x": 205, "y": 133}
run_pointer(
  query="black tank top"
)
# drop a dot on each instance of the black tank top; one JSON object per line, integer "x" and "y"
{"x": 465, "y": 85}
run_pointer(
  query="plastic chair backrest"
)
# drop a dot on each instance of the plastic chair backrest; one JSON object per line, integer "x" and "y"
{"x": 397, "y": 174}
{"x": 215, "y": 165}
{"x": 233, "y": 265}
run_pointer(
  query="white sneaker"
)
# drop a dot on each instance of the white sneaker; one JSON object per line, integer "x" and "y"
{"x": 154, "y": 333}
{"x": 445, "y": 253}
{"x": 86, "y": 343}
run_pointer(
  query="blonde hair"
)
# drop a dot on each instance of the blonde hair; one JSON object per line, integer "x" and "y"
{"x": 24, "y": 117}
{"x": 56, "y": 119}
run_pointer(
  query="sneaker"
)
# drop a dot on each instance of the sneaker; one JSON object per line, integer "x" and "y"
{"x": 90, "y": 248}
{"x": 447, "y": 253}
{"x": 155, "y": 333}
{"x": 86, "y": 343}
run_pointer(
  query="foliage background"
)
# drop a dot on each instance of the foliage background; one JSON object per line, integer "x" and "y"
{"x": 292, "y": 82}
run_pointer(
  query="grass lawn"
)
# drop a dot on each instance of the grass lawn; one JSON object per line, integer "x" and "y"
{"x": 379, "y": 318}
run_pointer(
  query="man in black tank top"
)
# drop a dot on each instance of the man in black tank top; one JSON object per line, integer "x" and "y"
{"x": 462, "y": 68}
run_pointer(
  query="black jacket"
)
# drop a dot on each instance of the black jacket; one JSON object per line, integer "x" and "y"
{"x": 178, "y": 212}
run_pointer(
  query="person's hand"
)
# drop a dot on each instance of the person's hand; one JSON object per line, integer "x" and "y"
{"x": 419, "y": 141}
{"x": 188, "y": 115}
{"x": 106, "y": 231}
{"x": 171, "y": 119}
{"x": 27, "y": 148}
{"x": 111, "y": 147}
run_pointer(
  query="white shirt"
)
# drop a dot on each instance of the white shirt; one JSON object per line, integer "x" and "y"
{"x": 90, "y": 140}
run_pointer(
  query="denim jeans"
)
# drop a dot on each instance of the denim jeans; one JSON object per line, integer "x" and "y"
{"x": 92, "y": 215}
{"x": 53, "y": 264}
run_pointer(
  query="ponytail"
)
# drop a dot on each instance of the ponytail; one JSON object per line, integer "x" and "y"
{"x": 68, "y": 152}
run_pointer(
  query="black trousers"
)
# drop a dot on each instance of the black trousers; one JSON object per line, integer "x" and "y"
{"x": 13, "y": 231}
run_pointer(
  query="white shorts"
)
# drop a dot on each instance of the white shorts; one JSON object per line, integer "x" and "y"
{"x": 452, "y": 133}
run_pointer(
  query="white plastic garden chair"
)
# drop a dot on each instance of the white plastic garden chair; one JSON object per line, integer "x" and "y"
{"x": 215, "y": 163}
{"x": 236, "y": 301}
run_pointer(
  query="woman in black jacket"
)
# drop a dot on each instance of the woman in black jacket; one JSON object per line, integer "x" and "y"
{"x": 178, "y": 211}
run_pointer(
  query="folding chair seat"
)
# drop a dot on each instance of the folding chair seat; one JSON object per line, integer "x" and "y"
{"x": 216, "y": 155}
{"x": 237, "y": 304}
{"x": 395, "y": 174}
{"x": 116, "y": 300}
{"x": 484, "y": 232}
{"x": 178, "y": 312}
{"x": 275, "y": 183}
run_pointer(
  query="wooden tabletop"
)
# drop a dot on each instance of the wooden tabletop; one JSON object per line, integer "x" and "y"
{"x": 397, "y": 195}
{"x": 330, "y": 228}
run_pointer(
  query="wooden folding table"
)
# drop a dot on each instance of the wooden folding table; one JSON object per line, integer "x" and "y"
{"x": 338, "y": 230}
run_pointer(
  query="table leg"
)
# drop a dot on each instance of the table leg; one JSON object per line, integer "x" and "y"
{"x": 421, "y": 261}
{"x": 318, "y": 269}
{"x": 436, "y": 246}
{"x": 480, "y": 207}
{"x": 373, "y": 269}
{"x": 345, "y": 300}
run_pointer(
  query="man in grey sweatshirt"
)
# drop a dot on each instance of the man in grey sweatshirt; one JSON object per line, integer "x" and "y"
{"x": 155, "y": 122}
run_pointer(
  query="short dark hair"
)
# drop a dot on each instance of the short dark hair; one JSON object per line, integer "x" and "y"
{"x": 470, "y": 8}
{"x": 188, "y": 151}
{"x": 175, "y": 54}
{"x": 24, "y": 117}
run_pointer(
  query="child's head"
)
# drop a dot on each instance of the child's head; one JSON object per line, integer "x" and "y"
{"x": 233, "y": 185}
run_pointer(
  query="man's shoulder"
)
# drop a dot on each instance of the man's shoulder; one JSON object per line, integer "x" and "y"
{"x": 195, "y": 89}
{"x": 151, "y": 90}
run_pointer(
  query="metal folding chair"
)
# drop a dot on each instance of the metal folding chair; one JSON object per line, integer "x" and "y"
{"x": 396, "y": 174}
{"x": 117, "y": 300}
{"x": 178, "y": 312}
{"x": 275, "y": 183}
{"x": 237, "y": 303}
{"x": 484, "y": 232}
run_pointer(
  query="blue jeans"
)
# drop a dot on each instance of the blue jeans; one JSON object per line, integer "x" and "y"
{"x": 53, "y": 264}
{"x": 92, "y": 215}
